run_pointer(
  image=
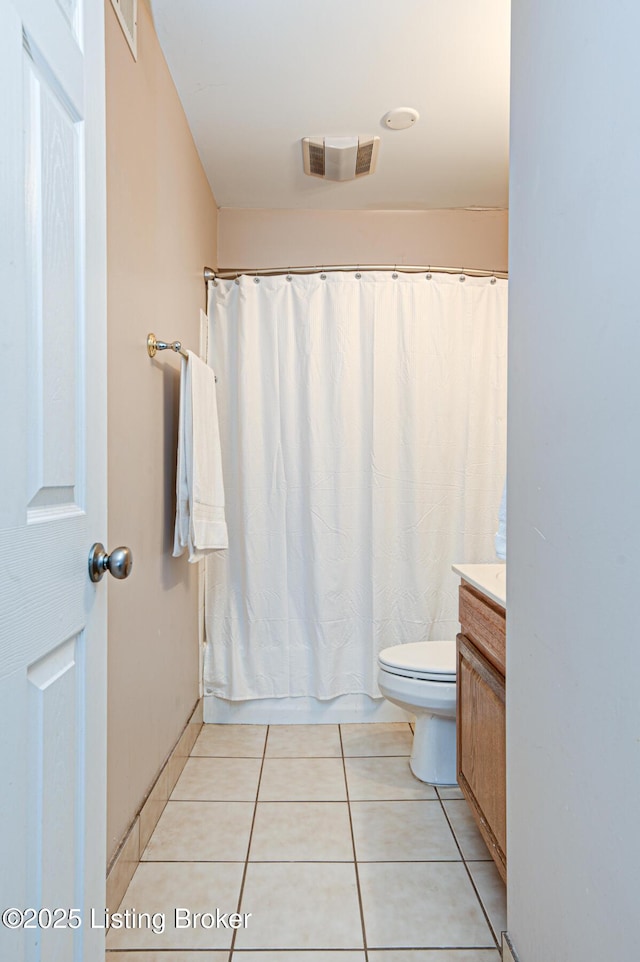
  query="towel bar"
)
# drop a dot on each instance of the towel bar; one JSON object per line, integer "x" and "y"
{"x": 154, "y": 345}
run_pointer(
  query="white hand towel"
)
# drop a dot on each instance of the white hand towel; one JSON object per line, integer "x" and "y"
{"x": 200, "y": 518}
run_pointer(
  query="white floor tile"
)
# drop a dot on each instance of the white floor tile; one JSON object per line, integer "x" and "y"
{"x": 231, "y": 741}
{"x": 420, "y": 905}
{"x": 201, "y": 831}
{"x": 453, "y": 792}
{"x": 160, "y": 887}
{"x": 301, "y": 832}
{"x": 302, "y": 779}
{"x": 301, "y": 906}
{"x": 384, "y": 778}
{"x": 465, "y": 829}
{"x": 218, "y": 780}
{"x": 395, "y": 738}
{"x": 402, "y": 831}
{"x": 493, "y": 894}
{"x": 303, "y": 741}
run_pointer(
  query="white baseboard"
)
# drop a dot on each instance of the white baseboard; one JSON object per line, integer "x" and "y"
{"x": 301, "y": 711}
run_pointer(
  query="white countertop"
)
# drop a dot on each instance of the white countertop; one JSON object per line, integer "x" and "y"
{"x": 491, "y": 580}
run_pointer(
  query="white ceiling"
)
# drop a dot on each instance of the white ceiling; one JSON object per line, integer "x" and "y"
{"x": 255, "y": 76}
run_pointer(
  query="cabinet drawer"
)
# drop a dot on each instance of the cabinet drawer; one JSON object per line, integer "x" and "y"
{"x": 485, "y": 623}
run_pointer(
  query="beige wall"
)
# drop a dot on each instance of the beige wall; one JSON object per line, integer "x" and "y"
{"x": 298, "y": 238}
{"x": 161, "y": 232}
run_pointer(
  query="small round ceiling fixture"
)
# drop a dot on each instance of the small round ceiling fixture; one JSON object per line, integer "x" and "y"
{"x": 400, "y": 118}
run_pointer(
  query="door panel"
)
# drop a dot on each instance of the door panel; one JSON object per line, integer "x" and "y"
{"x": 55, "y": 775}
{"x": 55, "y": 207}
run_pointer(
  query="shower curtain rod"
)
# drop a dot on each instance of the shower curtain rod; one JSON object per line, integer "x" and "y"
{"x": 231, "y": 274}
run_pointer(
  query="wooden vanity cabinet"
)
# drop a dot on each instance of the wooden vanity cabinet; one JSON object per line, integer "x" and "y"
{"x": 481, "y": 746}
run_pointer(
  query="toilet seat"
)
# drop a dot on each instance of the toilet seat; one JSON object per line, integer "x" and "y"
{"x": 423, "y": 660}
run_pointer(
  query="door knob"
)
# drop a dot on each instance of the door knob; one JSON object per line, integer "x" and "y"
{"x": 119, "y": 563}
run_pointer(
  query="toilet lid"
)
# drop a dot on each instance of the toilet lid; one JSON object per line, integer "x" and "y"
{"x": 432, "y": 660}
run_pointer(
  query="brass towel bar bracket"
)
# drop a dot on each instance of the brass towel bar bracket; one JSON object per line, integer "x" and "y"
{"x": 154, "y": 345}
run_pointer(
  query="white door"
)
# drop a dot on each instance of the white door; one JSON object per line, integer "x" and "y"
{"x": 52, "y": 477}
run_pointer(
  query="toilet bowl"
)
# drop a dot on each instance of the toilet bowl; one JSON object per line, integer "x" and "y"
{"x": 421, "y": 678}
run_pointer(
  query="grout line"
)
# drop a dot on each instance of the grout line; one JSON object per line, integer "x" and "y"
{"x": 317, "y": 952}
{"x": 229, "y": 758}
{"x": 246, "y": 861}
{"x": 210, "y": 801}
{"x": 283, "y": 758}
{"x": 355, "y": 857}
{"x": 291, "y": 757}
{"x": 466, "y": 867}
{"x": 309, "y": 861}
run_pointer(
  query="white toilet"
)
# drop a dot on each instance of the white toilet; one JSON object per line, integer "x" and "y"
{"x": 421, "y": 678}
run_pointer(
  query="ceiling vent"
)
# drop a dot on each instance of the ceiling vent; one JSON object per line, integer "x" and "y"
{"x": 339, "y": 158}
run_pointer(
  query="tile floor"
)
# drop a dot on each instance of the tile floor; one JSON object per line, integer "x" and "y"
{"x": 322, "y": 833}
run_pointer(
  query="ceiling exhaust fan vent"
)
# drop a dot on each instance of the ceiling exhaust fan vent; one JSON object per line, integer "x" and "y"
{"x": 316, "y": 159}
{"x": 339, "y": 158}
{"x": 364, "y": 158}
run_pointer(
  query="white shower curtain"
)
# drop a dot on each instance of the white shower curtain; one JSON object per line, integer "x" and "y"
{"x": 363, "y": 430}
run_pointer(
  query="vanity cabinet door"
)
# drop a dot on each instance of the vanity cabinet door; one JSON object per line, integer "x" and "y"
{"x": 481, "y": 746}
